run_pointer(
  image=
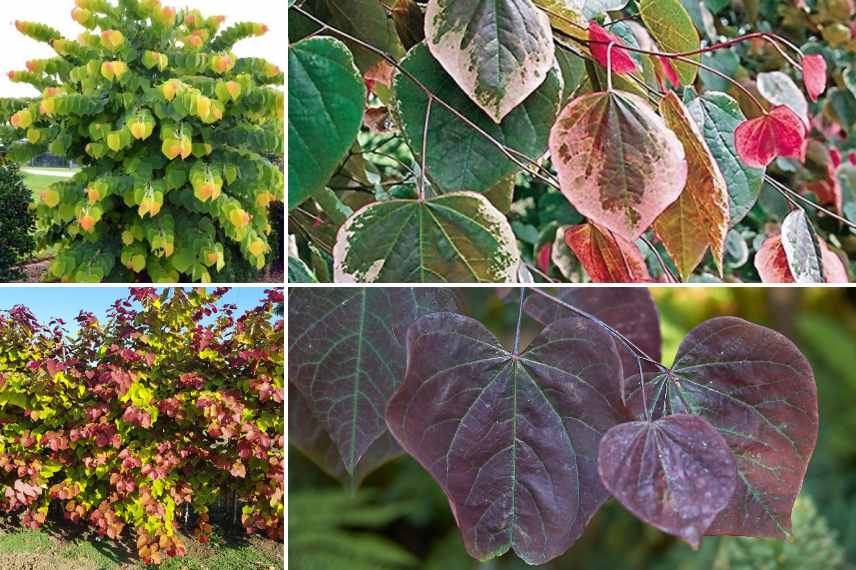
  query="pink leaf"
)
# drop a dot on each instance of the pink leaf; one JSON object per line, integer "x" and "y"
{"x": 666, "y": 71}
{"x": 618, "y": 57}
{"x": 814, "y": 75}
{"x": 779, "y": 132}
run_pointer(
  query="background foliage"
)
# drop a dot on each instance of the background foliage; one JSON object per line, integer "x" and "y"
{"x": 140, "y": 420}
{"x": 16, "y": 221}
{"x": 400, "y": 518}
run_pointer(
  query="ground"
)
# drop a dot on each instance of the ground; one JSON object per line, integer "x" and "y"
{"x": 59, "y": 548}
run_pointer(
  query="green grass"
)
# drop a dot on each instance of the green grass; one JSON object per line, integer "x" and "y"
{"x": 38, "y": 182}
{"x": 44, "y": 549}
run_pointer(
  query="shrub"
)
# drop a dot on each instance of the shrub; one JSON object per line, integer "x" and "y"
{"x": 171, "y": 129}
{"x": 16, "y": 221}
{"x": 172, "y": 400}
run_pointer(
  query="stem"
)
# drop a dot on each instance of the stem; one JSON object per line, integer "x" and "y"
{"x": 519, "y": 320}
{"x": 424, "y": 150}
{"x": 666, "y": 269}
{"x": 609, "y": 66}
{"x": 784, "y": 190}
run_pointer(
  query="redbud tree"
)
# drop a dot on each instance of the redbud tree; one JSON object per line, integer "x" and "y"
{"x": 173, "y": 132}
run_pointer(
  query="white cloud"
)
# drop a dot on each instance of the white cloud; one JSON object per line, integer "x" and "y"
{"x": 16, "y": 49}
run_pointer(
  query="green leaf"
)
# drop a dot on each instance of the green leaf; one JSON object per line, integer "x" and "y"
{"x": 498, "y": 51}
{"x": 592, "y": 8}
{"x": 325, "y": 109}
{"x": 673, "y": 30}
{"x": 717, "y": 115}
{"x": 298, "y": 272}
{"x": 458, "y": 237}
{"x": 458, "y": 157}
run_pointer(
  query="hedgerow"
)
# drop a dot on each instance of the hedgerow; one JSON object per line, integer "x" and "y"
{"x": 169, "y": 402}
{"x": 171, "y": 129}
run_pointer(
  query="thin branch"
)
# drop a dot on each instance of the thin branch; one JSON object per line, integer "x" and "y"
{"x": 663, "y": 265}
{"x": 519, "y": 319}
{"x": 424, "y": 149}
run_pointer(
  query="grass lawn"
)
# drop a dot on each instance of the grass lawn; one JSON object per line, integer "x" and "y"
{"x": 50, "y": 549}
{"x": 38, "y": 182}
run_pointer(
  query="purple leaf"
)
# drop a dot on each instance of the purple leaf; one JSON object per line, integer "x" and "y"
{"x": 630, "y": 311}
{"x": 307, "y": 434}
{"x": 512, "y": 440}
{"x": 675, "y": 473}
{"x": 754, "y": 386}
{"x": 346, "y": 356}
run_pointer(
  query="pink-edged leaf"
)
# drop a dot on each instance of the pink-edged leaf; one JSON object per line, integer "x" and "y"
{"x": 308, "y": 435}
{"x": 779, "y": 132}
{"x": 346, "y": 356}
{"x": 497, "y": 51}
{"x": 619, "y": 58}
{"x": 512, "y": 439}
{"x": 618, "y": 162}
{"x": 630, "y": 311}
{"x": 814, "y": 75}
{"x": 771, "y": 262}
{"x": 606, "y": 257}
{"x": 675, "y": 473}
{"x": 754, "y": 386}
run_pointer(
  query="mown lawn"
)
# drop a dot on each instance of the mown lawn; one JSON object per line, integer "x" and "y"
{"x": 38, "y": 182}
{"x": 47, "y": 549}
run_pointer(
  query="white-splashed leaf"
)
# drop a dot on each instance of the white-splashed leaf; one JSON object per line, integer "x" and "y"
{"x": 456, "y": 237}
{"x": 779, "y": 89}
{"x": 498, "y": 51}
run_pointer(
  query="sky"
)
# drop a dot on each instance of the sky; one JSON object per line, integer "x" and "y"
{"x": 67, "y": 302}
{"x": 16, "y": 49}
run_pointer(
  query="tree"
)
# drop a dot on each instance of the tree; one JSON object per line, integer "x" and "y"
{"x": 171, "y": 129}
{"x": 16, "y": 221}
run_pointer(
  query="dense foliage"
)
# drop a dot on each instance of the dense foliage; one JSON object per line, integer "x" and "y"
{"x": 130, "y": 422}
{"x": 528, "y": 442}
{"x": 585, "y": 140}
{"x": 16, "y": 221}
{"x": 172, "y": 130}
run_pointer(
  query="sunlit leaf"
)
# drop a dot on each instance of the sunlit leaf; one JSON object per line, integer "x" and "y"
{"x": 498, "y": 51}
{"x": 618, "y": 163}
{"x": 698, "y": 219}
{"x": 675, "y": 473}
{"x": 346, "y": 357}
{"x": 674, "y": 31}
{"x": 512, "y": 439}
{"x": 325, "y": 109}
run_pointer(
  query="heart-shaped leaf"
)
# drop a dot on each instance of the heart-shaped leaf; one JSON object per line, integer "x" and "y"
{"x": 308, "y": 435}
{"x": 512, "y": 439}
{"x": 607, "y": 258}
{"x": 698, "y": 219}
{"x": 630, "y": 311}
{"x": 459, "y": 158}
{"x": 326, "y": 96}
{"x": 814, "y": 74}
{"x": 754, "y": 386}
{"x": 779, "y": 132}
{"x": 454, "y": 237}
{"x": 618, "y": 163}
{"x": 675, "y": 473}
{"x": 717, "y": 116}
{"x": 346, "y": 356}
{"x": 673, "y": 30}
{"x": 498, "y": 51}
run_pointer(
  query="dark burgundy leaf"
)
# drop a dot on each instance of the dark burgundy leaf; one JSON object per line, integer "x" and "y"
{"x": 307, "y": 434}
{"x": 630, "y": 311}
{"x": 346, "y": 355}
{"x": 675, "y": 473}
{"x": 512, "y": 440}
{"x": 758, "y": 390}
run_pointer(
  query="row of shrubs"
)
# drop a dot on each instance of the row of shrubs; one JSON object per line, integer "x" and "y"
{"x": 129, "y": 422}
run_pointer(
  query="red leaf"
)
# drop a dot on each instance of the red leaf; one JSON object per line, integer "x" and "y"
{"x": 676, "y": 473}
{"x": 666, "y": 71}
{"x": 606, "y": 257}
{"x": 814, "y": 75}
{"x": 544, "y": 257}
{"x": 779, "y": 132}
{"x": 618, "y": 57}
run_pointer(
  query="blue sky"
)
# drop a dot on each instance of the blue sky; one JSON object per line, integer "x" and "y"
{"x": 67, "y": 302}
